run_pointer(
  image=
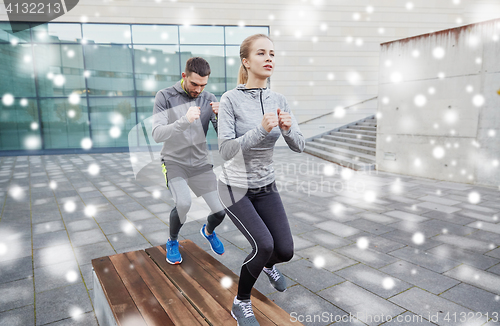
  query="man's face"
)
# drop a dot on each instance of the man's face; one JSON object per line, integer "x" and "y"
{"x": 194, "y": 83}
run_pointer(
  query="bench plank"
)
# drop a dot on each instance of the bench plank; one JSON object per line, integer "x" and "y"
{"x": 200, "y": 298}
{"x": 119, "y": 299}
{"x": 180, "y": 311}
{"x": 215, "y": 268}
{"x": 213, "y": 286}
{"x": 148, "y": 305}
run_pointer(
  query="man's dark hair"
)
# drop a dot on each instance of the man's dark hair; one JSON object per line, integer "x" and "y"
{"x": 197, "y": 65}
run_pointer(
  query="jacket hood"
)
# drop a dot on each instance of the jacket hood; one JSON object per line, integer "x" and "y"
{"x": 178, "y": 87}
{"x": 254, "y": 92}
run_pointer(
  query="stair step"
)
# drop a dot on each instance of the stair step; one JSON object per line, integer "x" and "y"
{"x": 370, "y": 124}
{"x": 365, "y": 143}
{"x": 362, "y": 132}
{"x": 351, "y": 154}
{"x": 367, "y": 128}
{"x": 339, "y": 159}
{"x": 351, "y": 135}
{"x": 348, "y": 146}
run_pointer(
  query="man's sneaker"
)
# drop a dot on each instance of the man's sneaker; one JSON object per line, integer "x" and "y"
{"x": 215, "y": 243}
{"x": 173, "y": 255}
{"x": 278, "y": 281}
{"x": 243, "y": 313}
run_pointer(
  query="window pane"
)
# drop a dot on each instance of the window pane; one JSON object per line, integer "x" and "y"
{"x": 156, "y": 67}
{"x": 154, "y": 34}
{"x": 111, "y": 120}
{"x": 144, "y": 113}
{"x": 201, "y": 34}
{"x": 16, "y": 73}
{"x": 215, "y": 57}
{"x": 19, "y": 128}
{"x": 57, "y": 33}
{"x": 59, "y": 69}
{"x": 236, "y": 35}
{"x": 109, "y": 69}
{"x": 104, "y": 33}
{"x": 64, "y": 124}
{"x": 7, "y": 36}
{"x": 233, "y": 64}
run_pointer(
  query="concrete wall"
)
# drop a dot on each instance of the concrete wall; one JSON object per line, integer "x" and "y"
{"x": 314, "y": 39}
{"x": 439, "y": 112}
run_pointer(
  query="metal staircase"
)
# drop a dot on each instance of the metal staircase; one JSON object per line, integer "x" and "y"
{"x": 352, "y": 145}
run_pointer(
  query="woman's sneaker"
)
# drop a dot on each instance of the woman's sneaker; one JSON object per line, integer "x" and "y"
{"x": 243, "y": 313}
{"x": 278, "y": 281}
{"x": 173, "y": 255}
{"x": 214, "y": 241}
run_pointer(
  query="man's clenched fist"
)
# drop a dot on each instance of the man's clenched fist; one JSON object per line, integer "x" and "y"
{"x": 193, "y": 113}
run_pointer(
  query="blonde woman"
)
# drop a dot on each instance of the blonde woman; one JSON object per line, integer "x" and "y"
{"x": 251, "y": 119}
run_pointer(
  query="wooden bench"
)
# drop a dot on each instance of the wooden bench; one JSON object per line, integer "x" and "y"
{"x": 140, "y": 288}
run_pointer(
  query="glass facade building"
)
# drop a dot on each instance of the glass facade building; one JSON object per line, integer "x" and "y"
{"x": 66, "y": 85}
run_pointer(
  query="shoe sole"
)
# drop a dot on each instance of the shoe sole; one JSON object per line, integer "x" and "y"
{"x": 174, "y": 263}
{"x": 237, "y": 324}
{"x": 204, "y": 237}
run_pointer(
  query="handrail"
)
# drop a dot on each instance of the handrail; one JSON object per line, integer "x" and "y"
{"x": 347, "y": 107}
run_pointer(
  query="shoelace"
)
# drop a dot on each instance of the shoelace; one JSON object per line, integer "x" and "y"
{"x": 247, "y": 309}
{"x": 274, "y": 274}
{"x": 173, "y": 247}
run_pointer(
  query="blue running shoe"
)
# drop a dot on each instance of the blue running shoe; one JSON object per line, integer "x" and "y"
{"x": 215, "y": 243}
{"x": 173, "y": 255}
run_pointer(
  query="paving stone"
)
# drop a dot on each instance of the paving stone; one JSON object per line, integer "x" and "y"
{"x": 435, "y": 308}
{"x": 304, "y": 272}
{"x": 452, "y": 218}
{"x": 373, "y": 280}
{"x": 464, "y": 243}
{"x": 421, "y": 277}
{"x": 52, "y": 255}
{"x": 326, "y": 239}
{"x": 439, "y": 200}
{"x": 86, "y": 319}
{"x": 306, "y": 307}
{"x": 367, "y": 256}
{"x": 381, "y": 244}
{"x": 477, "y": 216}
{"x": 138, "y": 215}
{"x": 482, "y": 235}
{"x": 297, "y": 227}
{"x": 115, "y": 226}
{"x": 160, "y": 237}
{"x": 378, "y": 218}
{"x": 473, "y": 298}
{"x": 337, "y": 228}
{"x": 81, "y": 225}
{"x": 407, "y": 239}
{"x": 369, "y": 226}
{"x": 366, "y": 306}
{"x": 150, "y": 225}
{"x": 61, "y": 303}
{"x": 332, "y": 260}
{"x": 425, "y": 259}
{"x": 82, "y": 238}
{"x": 58, "y": 275}
{"x": 16, "y": 269}
{"x": 490, "y": 227}
{"x": 464, "y": 256}
{"x": 408, "y": 319}
{"x": 307, "y": 217}
{"x": 50, "y": 239}
{"x": 479, "y": 278}
{"x": 46, "y": 227}
{"x": 85, "y": 254}
{"x": 18, "y": 317}
{"x": 406, "y": 216}
{"x": 16, "y": 294}
{"x": 123, "y": 240}
{"x": 495, "y": 269}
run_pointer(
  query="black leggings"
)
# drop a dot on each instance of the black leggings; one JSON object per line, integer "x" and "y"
{"x": 259, "y": 214}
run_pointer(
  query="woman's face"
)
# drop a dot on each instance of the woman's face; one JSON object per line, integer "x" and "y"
{"x": 260, "y": 62}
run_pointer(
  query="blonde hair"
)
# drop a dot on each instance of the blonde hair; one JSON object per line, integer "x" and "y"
{"x": 245, "y": 48}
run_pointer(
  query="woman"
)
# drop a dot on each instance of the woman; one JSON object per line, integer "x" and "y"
{"x": 251, "y": 119}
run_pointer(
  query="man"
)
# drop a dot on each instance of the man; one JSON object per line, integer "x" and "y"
{"x": 180, "y": 120}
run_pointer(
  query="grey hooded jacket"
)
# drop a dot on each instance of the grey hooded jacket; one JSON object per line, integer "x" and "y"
{"x": 244, "y": 143}
{"x": 183, "y": 142}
